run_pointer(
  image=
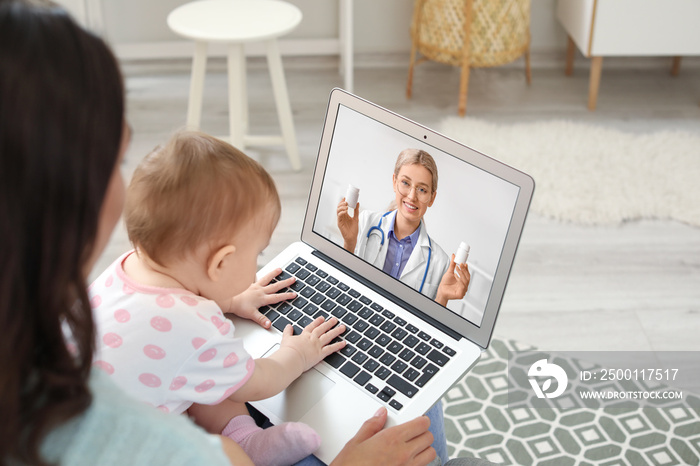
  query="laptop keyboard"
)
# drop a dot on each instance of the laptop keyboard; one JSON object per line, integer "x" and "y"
{"x": 384, "y": 354}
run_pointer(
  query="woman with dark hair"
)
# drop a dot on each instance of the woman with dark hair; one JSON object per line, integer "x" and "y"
{"x": 62, "y": 135}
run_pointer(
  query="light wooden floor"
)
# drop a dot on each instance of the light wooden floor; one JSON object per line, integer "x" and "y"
{"x": 631, "y": 287}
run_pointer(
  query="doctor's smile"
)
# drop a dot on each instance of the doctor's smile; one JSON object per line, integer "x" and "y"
{"x": 409, "y": 206}
{"x": 415, "y": 191}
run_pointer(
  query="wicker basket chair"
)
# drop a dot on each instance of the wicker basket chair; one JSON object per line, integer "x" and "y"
{"x": 470, "y": 33}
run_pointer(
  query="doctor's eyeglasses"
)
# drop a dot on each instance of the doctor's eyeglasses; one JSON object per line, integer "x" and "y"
{"x": 422, "y": 193}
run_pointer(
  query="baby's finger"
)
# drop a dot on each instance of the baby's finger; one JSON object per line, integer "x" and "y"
{"x": 330, "y": 349}
{"x": 332, "y": 334}
{"x": 267, "y": 278}
{"x": 326, "y": 326}
{"x": 314, "y": 325}
{"x": 275, "y": 287}
{"x": 275, "y": 298}
{"x": 263, "y": 321}
{"x": 288, "y": 331}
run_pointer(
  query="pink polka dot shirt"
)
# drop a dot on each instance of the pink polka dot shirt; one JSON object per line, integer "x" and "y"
{"x": 167, "y": 347}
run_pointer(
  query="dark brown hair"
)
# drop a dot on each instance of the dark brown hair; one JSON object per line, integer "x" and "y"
{"x": 61, "y": 119}
{"x": 196, "y": 190}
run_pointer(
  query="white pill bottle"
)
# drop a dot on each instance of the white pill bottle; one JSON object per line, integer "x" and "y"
{"x": 462, "y": 253}
{"x": 351, "y": 196}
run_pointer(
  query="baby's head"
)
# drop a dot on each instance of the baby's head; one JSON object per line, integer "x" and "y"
{"x": 194, "y": 196}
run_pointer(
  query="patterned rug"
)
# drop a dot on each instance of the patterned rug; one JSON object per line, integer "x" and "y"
{"x": 480, "y": 422}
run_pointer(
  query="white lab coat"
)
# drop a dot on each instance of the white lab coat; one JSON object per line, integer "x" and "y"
{"x": 412, "y": 275}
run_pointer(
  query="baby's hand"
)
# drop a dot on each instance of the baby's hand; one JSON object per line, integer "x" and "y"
{"x": 314, "y": 343}
{"x": 261, "y": 293}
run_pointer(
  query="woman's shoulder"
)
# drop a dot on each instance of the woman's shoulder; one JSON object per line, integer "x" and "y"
{"x": 116, "y": 429}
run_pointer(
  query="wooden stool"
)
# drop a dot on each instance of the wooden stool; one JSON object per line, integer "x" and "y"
{"x": 235, "y": 23}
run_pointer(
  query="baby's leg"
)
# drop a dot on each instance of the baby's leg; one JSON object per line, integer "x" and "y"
{"x": 214, "y": 418}
{"x": 277, "y": 445}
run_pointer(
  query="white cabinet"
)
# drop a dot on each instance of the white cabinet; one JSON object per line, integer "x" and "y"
{"x": 606, "y": 28}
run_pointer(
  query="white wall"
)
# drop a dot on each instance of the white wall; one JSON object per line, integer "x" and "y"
{"x": 381, "y": 26}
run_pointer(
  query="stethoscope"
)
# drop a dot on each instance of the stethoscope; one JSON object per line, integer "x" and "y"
{"x": 381, "y": 236}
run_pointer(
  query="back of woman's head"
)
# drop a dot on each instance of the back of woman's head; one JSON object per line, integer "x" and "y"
{"x": 61, "y": 119}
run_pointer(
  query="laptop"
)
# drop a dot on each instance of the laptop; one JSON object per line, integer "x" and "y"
{"x": 404, "y": 350}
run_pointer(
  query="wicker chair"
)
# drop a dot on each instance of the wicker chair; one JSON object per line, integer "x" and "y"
{"x": 470, "y": 33}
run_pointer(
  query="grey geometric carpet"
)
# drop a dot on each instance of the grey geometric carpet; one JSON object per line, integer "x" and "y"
{"x": 480, "y": 423}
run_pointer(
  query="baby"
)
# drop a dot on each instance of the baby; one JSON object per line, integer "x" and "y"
{"x": 199, "y": 213}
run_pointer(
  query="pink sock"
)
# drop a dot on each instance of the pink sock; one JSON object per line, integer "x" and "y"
{"x": 280, "y": 445}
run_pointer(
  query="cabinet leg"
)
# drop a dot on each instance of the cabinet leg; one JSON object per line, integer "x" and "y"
{"x": 570, "y": 53}
{"x": 676, "y": 66}
{"x": 594, "y": 81}
{"x": 411, "y": 66}
{"x": 528, "y": 69}
{"x": 463, "y": 89}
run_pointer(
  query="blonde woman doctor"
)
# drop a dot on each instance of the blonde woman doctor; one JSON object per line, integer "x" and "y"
{"x": 397, "y": 241}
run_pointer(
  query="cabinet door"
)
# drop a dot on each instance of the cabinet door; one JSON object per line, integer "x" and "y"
{"x": 632, "y": 27}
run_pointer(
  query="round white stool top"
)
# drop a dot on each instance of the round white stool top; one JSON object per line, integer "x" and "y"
{"x": 234, "y": 20}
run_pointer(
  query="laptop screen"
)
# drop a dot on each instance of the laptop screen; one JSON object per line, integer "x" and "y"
{"x": 418, "y": 205}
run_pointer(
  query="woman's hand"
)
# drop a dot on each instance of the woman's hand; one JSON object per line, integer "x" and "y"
{"x": 348, "y": 226}
{"x": 315, "y": 342}
{"x": 235, "y": 454}
{"x": 405, "y": 444}
{"x": 260, "y": 293}
{"x": 453, "y": 286}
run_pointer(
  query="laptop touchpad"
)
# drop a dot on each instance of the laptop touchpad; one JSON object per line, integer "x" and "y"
{"x": 293, "y": 403}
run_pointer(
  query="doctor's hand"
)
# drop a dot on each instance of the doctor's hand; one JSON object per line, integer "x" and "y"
{"x": 259, "y": 294}
{"x": 348, "y": 226}
{"x": 453, "y": 286}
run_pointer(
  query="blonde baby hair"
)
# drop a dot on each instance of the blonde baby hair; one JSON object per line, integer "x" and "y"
{"x": 192, "y": 191}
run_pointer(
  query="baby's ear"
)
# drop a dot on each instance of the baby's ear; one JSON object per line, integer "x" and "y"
{"x": 217, "y": 261}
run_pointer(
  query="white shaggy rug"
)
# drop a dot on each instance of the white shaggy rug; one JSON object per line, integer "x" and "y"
{"x": 595, "y": 175}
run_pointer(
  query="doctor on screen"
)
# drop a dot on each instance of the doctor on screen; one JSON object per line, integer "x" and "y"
{"x": 397, "y": 241}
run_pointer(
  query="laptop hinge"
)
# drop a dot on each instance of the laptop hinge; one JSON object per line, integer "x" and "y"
{"x": 399, "y": 302}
